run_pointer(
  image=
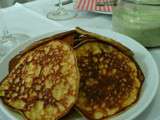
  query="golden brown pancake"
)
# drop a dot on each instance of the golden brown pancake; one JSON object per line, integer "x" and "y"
{"x": 110, "y": 80}
{"x": 43, "y": 85}
{"x": 67, "y": 37}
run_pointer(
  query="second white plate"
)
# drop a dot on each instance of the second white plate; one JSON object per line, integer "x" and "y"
{"x": 101, "y": 12}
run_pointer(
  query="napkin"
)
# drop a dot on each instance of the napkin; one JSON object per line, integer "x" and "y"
{"x": 94, "y": 5}
{"x": 20, "y": 19}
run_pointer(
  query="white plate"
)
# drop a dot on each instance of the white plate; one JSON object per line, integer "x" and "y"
{"x": 101, "y": 12}
{"x": 142, "y": 56}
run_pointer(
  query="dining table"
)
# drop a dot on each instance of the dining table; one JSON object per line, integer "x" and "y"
{"x": 30, "y": 18}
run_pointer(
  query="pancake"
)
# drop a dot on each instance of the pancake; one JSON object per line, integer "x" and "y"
{"x": 110, "y": 79}
{"x": 67, "y": 37}
{"x": 43, "y": 84}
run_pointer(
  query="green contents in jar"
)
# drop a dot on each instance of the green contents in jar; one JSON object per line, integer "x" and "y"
{"x": 141, "y": 22}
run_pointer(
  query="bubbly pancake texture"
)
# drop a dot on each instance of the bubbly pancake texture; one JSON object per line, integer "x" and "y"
{"x": 44, "y": 83}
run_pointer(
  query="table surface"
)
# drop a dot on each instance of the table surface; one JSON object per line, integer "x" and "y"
{"x": 101, "y": 21}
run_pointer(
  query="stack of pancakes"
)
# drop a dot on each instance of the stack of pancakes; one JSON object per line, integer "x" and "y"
{"x": 94, "y": 74}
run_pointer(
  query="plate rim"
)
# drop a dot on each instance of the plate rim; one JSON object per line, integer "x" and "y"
{"x": 115, "y": 36}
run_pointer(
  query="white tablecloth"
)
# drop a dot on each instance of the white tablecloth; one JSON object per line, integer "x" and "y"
{"x": 33, "y": 24}
{"x": 93, "y": 20}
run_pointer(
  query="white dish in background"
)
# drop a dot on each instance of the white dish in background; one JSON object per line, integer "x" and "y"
{"x": 142, "y": 56}
{"x": 101, "y": 12}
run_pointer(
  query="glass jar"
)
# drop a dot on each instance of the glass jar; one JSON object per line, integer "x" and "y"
{"x": 138, "y": 19}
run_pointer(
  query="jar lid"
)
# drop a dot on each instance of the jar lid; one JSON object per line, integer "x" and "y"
{"x": 147, "y": 2}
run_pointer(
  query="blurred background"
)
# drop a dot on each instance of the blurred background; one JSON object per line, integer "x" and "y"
{"x": 7, "y": 3}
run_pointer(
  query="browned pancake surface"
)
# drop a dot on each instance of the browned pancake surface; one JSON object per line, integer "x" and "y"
{"x": 110, "y": 81}
{"x": 44, "y": 83}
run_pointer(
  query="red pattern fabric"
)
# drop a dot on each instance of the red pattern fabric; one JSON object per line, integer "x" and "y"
{"x": 90, "y": 5}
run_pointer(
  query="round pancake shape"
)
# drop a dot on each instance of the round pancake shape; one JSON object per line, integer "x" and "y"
{"x": 110, "y": 81}
{"x": 44, "y": 83}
